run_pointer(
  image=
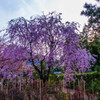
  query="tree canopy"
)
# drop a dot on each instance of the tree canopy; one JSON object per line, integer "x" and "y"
{"x": 91, "y": 32}
{"x": 47, "y": 40}
{"x": 93, "y": 13}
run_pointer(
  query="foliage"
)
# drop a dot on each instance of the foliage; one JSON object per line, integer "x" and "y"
{"x": 91, "y": 32}
{"x": 93, "y": 14}
{"x": 94, "y": 48}
{"x": 62, "y": 96}
{"x": 92, "y": 80}
{"x": 44, "y": 39}
{"x": 92, "y": 29}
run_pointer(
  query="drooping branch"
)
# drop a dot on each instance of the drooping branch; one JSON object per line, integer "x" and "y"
{"x": 47, "y": 39}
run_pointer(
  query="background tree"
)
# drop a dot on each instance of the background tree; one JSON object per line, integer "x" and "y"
{"x": 84, "y": 37}
{"x": 94, "y": 48}
{"x": 91, "y": 32}
{"x": 93, "y": 14}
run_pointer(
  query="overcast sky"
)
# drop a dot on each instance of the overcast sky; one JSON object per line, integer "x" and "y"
{"x": 70, "y": 9}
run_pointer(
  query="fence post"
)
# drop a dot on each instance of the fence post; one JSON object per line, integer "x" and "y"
{"x": 7, "y": 87}
{"x": 63, "y": 85}
{"x": 40, "y": 89}
{"x": 32, "y": 83}
{"x": 2, "y": 84}
{"x": 84, "y": 90}
{"x": 20, "y": 85}
{"x": 69, "y": 91}
{"x": 73, "y": 85}
{"x": 92, "y": 87}
{"x": 78, "y": 82}
{"x": 37, "y": 83}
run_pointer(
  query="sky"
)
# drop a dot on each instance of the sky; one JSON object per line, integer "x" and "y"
{"x": 70, "y": 9}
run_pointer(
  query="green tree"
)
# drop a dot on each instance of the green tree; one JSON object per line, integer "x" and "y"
{"x": 94, "y": 48}
{"x": 90, "y": 36}
{"x": 93, "y": 14}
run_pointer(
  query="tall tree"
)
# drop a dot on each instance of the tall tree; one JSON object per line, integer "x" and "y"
{"x": 94, "y": 48}
{"x": 93, "y": 14}
{"x": 47, "y": 40}
{"x": 91, "y": 31}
